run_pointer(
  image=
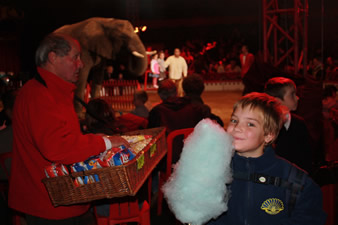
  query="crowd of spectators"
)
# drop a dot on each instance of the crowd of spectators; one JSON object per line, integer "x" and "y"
{"x": 209, "y": 58}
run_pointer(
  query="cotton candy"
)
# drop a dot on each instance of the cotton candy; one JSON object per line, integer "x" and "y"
{"x": 196, "y": 191}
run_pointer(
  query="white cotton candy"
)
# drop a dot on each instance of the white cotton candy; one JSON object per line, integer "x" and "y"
{"x": 196, "y": 191}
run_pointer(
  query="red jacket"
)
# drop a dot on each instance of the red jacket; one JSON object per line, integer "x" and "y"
{"x": 46, "y": 129}
{"x": 249, "y": 59}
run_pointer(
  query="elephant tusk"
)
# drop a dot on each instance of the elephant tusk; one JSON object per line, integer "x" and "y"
{"x": 137, "y": 54}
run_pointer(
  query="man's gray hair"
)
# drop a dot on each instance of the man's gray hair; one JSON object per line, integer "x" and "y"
{"x": 58, "y": 43}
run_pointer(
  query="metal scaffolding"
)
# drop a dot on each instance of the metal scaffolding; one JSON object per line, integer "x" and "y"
{"x": 285, "y": 29}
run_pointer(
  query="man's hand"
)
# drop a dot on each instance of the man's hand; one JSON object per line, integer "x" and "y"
{"x": 117, "y": 141}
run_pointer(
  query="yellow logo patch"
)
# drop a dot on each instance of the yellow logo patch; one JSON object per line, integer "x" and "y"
{"x": 272, "y": 206}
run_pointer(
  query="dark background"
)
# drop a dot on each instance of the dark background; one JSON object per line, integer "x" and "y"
{"x": 170, "y": 23}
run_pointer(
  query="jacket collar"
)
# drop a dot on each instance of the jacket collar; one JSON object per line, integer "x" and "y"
{"x": 55, "y": 83}
{"x": 261, "y": 163}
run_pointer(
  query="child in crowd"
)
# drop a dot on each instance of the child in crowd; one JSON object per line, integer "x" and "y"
{"x": 100, "y": 118}
{"x": 138, "y": 118}
{"x": 193, "y": 87}
{"x": 155, "y": 69}
{"x": 262, "y": 191}
{"x": 161, "y": 63}
{"x": 140, "y": 99}
{"x": 294, "y": 141}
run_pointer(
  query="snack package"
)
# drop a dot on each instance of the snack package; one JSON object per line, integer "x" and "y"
{"x": 55, "y": 170}
{"x": 123, "y": 156}
{"x": 81, "y": 166}
{"x": 93, "y": 163}
{"x": 117, "y": 156}
{"x": 138, "y": 142}
{"x": 139, "y": 146}
{"x": 136, "y": 138}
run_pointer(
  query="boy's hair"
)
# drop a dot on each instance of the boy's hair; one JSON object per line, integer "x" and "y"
{"x": 193, "y": 85}
{"x": 99, "y": 113}
{"x": 276, "y": 86}
{"x": 269, "y": 106}
{"x": 166, "y": 89}
{"x": 141, "y": 95}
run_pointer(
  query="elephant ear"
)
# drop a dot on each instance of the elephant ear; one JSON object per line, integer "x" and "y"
{"x": 93, "y": 38}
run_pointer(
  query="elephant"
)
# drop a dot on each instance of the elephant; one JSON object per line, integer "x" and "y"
{"x": 103, "y": 40}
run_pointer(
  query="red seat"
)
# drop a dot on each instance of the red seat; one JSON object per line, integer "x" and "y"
{"x": 125, "y": 212}
{"x": 164, "y": 176}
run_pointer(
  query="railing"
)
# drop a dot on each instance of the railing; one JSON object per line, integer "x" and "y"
{"x": 119, "y": 94}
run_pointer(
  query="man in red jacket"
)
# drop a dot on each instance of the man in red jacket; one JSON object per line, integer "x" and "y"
{"x": 46, "y": 130}
{"x": 246, "y": 59}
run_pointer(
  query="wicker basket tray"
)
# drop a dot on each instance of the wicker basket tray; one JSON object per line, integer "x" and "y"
{"x": 116, "y": 181}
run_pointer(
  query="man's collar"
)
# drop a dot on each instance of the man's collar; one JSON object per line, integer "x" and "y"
{"x": 53, "y": 80}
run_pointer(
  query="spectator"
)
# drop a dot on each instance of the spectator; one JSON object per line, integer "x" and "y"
{"x": 220, "y": 68}
{"x": 174, "y": 112}
{"x": 100, "y": 118}
{"x": 178, "y": 69}
{"x": 232, "y": 67}
{"x": 317, "y": 69}
{"x": 293, "y": 142}
{"x": 331, "y": 69}
{"x": 161, "y": 63}
{"x": 329, "y": 101}
{"x": 108, "y": 73}
{"x": 193, "y": 87}
{"x": 139, "y": 101}
{"x": 330, "y": 122}
{"x": 246, "y": 59}
{"x": 155, "y": 69}
{"x": 138, "y": 118}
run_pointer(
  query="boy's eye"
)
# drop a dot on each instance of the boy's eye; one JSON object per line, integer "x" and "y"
{"x": 233, "y": 121}
{"x": 251, "y": 125}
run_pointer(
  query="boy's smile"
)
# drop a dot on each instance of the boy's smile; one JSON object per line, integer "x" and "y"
{"x": 246, "y": 127}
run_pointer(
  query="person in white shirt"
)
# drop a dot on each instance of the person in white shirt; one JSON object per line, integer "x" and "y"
{"x": 178, "y": 69}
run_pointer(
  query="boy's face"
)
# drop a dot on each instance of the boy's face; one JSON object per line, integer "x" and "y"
{"x": 246, "y": 128}
{"x": 290, "y": 99}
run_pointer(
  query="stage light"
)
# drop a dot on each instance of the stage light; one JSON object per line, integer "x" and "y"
{"x": 144, "y": 28}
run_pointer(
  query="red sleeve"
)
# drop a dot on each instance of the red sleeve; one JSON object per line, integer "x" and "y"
{"x": 56, "y": 132}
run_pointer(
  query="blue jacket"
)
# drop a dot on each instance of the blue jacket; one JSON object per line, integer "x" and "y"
{"x": 252, "y": 203}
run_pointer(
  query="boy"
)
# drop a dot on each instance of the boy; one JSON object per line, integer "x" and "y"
{"x": 140, "y": 98}
{"x": 138, "y": 118}
{"x": 193, "y": 87}
{"x": 259, "y": 191}
{"x": 293, "y": 142}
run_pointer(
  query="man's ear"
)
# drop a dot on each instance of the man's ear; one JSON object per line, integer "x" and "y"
{"x": 268, "y": 138}
{"x": 52, "y": 57}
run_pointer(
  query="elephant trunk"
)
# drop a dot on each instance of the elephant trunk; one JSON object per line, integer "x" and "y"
{"x": 138, "y": 61}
